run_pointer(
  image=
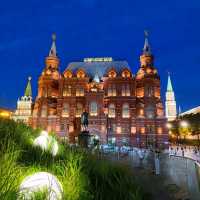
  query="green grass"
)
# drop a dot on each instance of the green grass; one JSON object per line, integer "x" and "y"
{"x": 83, "y": 176}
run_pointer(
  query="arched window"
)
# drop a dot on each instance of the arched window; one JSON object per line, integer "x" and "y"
{"x": 93, "y": 109}
{"x": 126, "y": 73}
{"x": 80, "y": 73}
{"x": 65, "y": 111}
{"x": 125, "y": 110}
{"x": 150, "y": 112}
{"x": 79, "y": 92}
{"x": 112, "y": 73}
{"x": 67, "y": 91}
{"x": 44, "y": 111}
{"x": 126, "y": 90}
{"x": 79, "y": 109}
{"x": 68, "y": 74}
{"x": 111, "y": 111}
{"x": 112, "y": 90}
{"x": 44, "y": 92}
{"x": 149, "y": 91}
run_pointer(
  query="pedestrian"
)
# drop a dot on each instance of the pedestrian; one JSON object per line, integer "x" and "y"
{"x": 183, "y": 153}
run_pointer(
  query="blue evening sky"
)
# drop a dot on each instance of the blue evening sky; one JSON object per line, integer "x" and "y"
{"x": 95, "y": 28}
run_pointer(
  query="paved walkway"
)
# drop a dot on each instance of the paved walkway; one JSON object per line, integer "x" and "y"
{"x": 185, "y": 151}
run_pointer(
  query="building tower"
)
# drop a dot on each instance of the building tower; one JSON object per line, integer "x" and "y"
{"x": 170, "y": 103}
{"x": 45, "y": 107}
{"x": 24, "y": 105}
{"x": 150, "y": 112}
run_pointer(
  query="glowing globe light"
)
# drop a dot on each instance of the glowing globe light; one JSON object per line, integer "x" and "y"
{"x": 39, "y": 182}
{"x": 47, "y": 142}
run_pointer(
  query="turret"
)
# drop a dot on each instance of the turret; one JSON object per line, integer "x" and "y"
{"x": 52, "y": 61}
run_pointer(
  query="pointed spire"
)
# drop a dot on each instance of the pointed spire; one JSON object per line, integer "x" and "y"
{"x": 28, "y": 91}
{"x": 52, "y": 51}
{"x": 146, "y": 49}
{"x": 169, "y": 83}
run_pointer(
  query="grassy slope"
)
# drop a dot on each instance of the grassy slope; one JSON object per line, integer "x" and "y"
{"x": 82, "y": 175}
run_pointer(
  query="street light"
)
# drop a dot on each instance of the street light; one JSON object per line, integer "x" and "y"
{"x": 184, "y": 124}
{"x": 169, "y": 126}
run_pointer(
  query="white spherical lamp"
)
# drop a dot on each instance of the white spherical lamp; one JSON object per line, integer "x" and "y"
{"x": 38, "y": 182}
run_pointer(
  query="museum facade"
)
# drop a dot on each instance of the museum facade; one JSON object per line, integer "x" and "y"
{"x": 123, "y": 107}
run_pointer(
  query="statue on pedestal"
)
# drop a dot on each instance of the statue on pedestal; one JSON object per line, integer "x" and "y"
{"x": 84, "y": 135}
{"x": 84, "y": 121}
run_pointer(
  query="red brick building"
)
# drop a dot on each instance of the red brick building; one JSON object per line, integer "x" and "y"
{"x": 122, "y": 107}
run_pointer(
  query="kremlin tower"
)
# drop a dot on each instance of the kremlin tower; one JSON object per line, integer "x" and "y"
{"x": 170, "y": 103}
{"x": 24, "y": 105}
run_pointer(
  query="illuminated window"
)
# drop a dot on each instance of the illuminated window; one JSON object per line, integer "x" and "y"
{"x": 112, "y": 90}
{"x": 125, "y": 111}
{"x": 140, "y": 92}
{"x": 142, "y": 130}
{"x": 44, "y": 111}
{"x": 65, "y": 112}
{"x": 79, "y": 109}
{"x": 159, "y": 130}
{"x": 149, "y": 91}
{"x": 80, "y": 74}
{"x": 150, "y": 112}
{"x": 44, "y": 92}
{"x": 67, "y": 91}
{"x": 79, "y": 92}
{"x": 126, "y": 74}
{"x": 68, "y": 74}
{"x": 159, "y": 110}
{"x": 93, "y": 109}
{"x": 125, "y": 90}
{"x": 112, "y": 74}
{"x": 119, "y": 129}
{"x": 133, "y": 129}
{"x": 157, "y": 92}
{"x": 111, "y": 111}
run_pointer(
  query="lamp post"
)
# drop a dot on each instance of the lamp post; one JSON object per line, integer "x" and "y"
{"x": 106, "y": 114}
{"x": 184, "y": 125}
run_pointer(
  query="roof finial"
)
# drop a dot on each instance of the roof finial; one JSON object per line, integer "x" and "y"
{"x": 146, "y": 49}
{"x": 52, "y": 51}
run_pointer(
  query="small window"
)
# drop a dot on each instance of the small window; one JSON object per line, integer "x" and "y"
{"x": 65, "y": 112}
{"x": 67, "y": 91}
{"x": 125, "y": 111}
{"x": 93, "y": 109}
{"x": 112, "y": 74}
{"x": 150, "y": 112}
{"x": 80, "y": 74}
{"x": 111, "y": 111}
{"x": 112, "y": 90}
{"x": 44, "y": 111}
{"x": 79, "y": 92}
{"x": 125, "y": 90}
{"x": 126, "y": 74}
{"x": 68, "y": 74}
{"x": 79, "y": 109}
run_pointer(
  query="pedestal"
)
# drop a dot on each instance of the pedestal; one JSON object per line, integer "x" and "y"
{"x": 83, "y": 139}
